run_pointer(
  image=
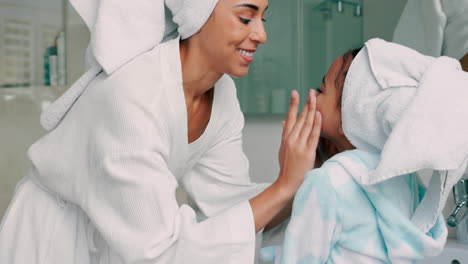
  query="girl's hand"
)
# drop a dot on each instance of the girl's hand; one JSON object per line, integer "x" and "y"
{"x": 299, "y": 143}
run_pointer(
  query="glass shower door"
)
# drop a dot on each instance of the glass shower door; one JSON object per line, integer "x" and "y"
{"x": 333, "y": 28}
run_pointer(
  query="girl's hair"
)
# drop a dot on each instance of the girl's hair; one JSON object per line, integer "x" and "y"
{"x": 339, "y": 81}
{"x": 326, "y": 148}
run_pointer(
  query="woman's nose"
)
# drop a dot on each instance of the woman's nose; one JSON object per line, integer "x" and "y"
{"x": 259, "y": 34}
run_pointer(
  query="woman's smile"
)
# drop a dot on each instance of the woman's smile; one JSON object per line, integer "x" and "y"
{"x": 247, "y": 55}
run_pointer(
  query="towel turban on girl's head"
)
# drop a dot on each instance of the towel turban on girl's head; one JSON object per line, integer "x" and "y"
{"x": 120, "y": 31}
{"x": 412, "y": 109}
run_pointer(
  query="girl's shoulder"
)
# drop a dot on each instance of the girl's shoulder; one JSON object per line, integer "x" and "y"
{"x": 339, "y": 172}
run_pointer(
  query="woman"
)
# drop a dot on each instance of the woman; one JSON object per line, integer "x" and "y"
{"x": 102, "y": 187}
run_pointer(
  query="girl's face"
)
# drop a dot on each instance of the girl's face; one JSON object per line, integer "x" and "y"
{"x": 329, "y": 99}
{"x": 232, "y": 34}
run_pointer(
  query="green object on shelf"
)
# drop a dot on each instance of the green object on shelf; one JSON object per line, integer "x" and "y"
{"x": 50, "y": 51}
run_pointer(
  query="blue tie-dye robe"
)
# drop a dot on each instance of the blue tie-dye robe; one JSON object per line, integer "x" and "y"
{"x": 336, "y": 220}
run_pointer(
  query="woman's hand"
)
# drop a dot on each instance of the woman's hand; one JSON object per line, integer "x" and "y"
{"x": 296, "y": 157}
{"x": 299, "y": 143}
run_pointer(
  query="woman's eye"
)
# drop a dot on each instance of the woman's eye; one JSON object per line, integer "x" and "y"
{"x": 244, "y": 21}
{"x": 319, "y": 91}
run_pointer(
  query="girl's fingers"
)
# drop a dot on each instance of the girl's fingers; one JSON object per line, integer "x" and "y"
{"x": 292, "y": 113}
{"x": 315, "y": 134}
{"x": 309, "y": 119}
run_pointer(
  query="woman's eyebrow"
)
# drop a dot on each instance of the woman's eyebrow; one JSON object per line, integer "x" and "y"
{"x": 254, "y": 7}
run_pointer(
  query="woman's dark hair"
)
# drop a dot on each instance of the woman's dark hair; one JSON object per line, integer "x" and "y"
{"x": 339, "y": 81}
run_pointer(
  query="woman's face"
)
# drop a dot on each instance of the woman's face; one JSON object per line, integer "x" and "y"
{"x": 329, "y": 96}
{"x": 232, "y": 34}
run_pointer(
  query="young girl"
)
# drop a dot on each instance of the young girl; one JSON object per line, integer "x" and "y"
{"x": 348, "y": 211}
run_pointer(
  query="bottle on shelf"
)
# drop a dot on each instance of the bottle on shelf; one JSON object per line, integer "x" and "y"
{"x": 55, "y": 63}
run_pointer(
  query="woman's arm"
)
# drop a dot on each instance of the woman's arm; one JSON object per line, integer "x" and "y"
{"x": 297, "y": 156}
{"x": 281, "y": 216}
{"x": 220, "y": 179}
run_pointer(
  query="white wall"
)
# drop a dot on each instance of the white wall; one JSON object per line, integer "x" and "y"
{"x": 262, "y": 138}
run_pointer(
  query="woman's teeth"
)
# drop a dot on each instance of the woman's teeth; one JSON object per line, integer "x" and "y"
{"x": 245, "y": 53}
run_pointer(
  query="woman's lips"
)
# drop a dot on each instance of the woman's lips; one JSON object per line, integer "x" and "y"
{"x": 247, "y": 55}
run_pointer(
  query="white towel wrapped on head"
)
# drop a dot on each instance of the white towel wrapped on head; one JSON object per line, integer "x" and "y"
{"x": 120, "y": 31}
{"x": 414, "y": 110}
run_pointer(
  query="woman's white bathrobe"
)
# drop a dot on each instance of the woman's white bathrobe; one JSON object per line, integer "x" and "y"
{"x": 102, "y": 186}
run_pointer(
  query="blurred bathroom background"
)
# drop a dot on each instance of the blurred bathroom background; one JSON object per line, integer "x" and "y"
{"x": 42, "y": 46}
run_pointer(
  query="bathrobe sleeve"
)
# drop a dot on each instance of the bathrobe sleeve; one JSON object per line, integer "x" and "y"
{"x": 132, "y": 204}
{"x": 220, "y": 179}
{"x": 314, "y": 227}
